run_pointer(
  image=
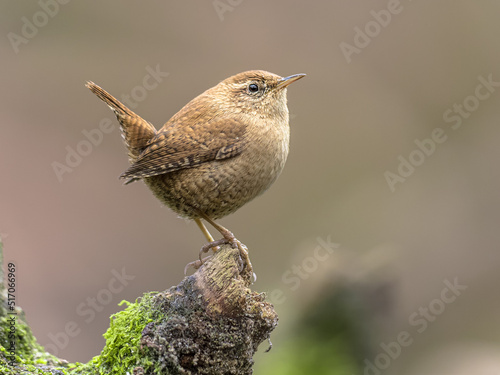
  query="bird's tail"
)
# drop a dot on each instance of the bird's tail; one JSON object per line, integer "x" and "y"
{"x": 136, "y": 131}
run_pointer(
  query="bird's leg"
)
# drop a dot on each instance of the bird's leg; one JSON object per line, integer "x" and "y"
{"x": 208, "y": 236}
{"x": 235, "y": 243}
{"x": 212, "y": 244}
{"x": 204, "y": 230}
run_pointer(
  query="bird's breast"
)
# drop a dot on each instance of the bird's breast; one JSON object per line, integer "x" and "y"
{"x": 266, "y": 151}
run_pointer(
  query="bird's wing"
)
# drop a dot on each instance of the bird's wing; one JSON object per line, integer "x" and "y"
{"x": 183, "y": 147}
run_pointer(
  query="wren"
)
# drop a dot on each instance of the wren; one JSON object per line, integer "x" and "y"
{"x": 221, "y": 150}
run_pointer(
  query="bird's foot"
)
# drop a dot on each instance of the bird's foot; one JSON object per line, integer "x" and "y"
{"x": 214, "y": 245}
{"x": 246, "y": 266}
{"x": 246, "y": 269}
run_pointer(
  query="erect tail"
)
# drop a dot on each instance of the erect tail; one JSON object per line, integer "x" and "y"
{"x": 136, "y": 131}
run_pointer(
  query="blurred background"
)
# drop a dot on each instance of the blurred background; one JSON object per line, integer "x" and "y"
{"x": 379, "y": 243}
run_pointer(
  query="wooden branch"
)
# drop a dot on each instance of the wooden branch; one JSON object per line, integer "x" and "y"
{"x": 211, "y": 323}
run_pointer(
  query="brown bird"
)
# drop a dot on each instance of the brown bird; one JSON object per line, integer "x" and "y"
{"x": 221, "y": 150}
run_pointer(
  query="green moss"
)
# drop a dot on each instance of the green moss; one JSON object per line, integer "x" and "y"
{"x": 30, "y": 357}
{"x": 16, "y": 337}
{"x": 122, "y": 352}
{"x": 26, "y": 347}
{"x": 120, "y": 356}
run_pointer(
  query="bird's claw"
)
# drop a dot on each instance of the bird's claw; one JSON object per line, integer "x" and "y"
{"x": 228, "y": 238}
{"x": 212, "y": 245}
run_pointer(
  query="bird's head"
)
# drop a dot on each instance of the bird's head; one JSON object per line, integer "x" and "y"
{"x": 256, "y": 92}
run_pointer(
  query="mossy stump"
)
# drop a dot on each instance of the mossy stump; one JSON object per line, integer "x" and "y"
{"x": 211, "y": 323}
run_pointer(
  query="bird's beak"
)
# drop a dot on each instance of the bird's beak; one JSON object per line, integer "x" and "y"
{"x": 284, "y": 82}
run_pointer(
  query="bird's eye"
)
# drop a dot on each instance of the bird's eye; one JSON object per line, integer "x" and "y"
{"x": 253, "y": 88}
